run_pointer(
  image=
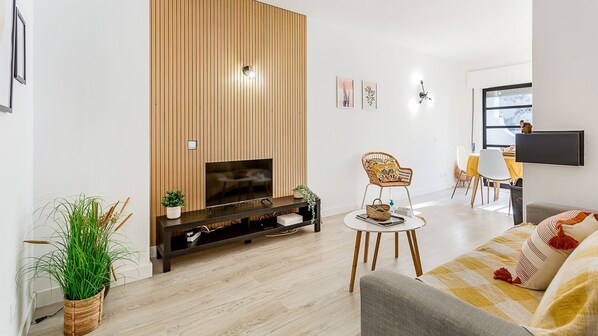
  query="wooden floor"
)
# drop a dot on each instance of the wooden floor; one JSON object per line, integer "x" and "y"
{"x": 292, "y": 285}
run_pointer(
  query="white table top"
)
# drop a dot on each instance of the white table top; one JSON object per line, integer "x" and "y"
{"x": 411, "y": 223}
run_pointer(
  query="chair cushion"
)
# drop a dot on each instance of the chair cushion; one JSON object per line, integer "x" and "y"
{"x": 548, "y": 247}
{"x": 386, "y": 170}
{"x": 570, "y": 304}
{"x": 469, "y": 278}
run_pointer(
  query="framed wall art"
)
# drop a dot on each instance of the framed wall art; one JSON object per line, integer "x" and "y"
{"x": 369, "y": 95}
{"x": 20, "y": 59}
{"x": 345, "y": 93}
{"x": 7, "y": 14}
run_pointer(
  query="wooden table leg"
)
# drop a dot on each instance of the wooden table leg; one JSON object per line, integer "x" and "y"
{"x": 412, "y": 252}
{"x": 376, "y": 251}
{"x": 396, "y": 244}
{"x": 418, "y": 271}
{"x": 476, "y": 181}
{"x": 366, "y": 247}
{"x": 355, "y": 257}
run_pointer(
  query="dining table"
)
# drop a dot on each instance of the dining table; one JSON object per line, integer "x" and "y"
{"x": 515, "y": 170}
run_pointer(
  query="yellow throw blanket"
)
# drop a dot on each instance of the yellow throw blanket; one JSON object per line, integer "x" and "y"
{"x": 470, "y": 278}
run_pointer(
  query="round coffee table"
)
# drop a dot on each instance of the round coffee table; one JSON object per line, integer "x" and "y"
{"x": 411, "y": 224}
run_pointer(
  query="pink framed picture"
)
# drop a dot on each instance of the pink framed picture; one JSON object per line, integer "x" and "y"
{"x": 345, "y": 93}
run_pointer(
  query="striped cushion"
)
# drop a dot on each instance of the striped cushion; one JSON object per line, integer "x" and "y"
{"x": 570, "y": 304}
{"x": 469, "y": 278}
{"x": 548, "y": 247}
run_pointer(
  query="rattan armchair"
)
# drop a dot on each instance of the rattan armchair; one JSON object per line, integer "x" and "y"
{"x": 402, "y": 176}
{"x": 395, "y": 176}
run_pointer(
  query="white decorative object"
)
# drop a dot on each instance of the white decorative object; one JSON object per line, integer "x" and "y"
{"x": 369, "y": 97}
{"x": 289, "y": 219}
{"x": 297, "y": 194}
{"x": 173, "y": 212}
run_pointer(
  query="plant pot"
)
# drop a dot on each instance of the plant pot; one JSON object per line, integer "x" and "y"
{"x": 297, "y": 194}
{"x": 173, "y": 212}
{"x": 83, "y": 316}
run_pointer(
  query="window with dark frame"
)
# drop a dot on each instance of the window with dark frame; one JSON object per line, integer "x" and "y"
{"x": 502, "y": 109}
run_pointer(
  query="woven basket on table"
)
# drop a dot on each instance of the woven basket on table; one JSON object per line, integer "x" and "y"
{"x": 379, "y": 212}
{"x": 83, "y": 316}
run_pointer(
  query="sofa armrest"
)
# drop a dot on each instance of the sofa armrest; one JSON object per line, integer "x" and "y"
{"x": 393, "y": 304}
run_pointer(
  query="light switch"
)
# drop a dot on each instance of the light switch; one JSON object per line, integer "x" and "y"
{"x": 192, "y": 144}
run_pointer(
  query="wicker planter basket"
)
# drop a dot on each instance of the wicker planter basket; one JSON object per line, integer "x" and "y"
{"x": 83, "y": 316}
{"x": 379, "y": 212}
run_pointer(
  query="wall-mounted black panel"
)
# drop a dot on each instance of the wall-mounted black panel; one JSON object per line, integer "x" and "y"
{"x": 551, "y": 147}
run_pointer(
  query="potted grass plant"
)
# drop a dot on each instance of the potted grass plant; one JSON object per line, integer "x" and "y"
{"x": 174, "y": 200}
{"x": 83, "y": 248}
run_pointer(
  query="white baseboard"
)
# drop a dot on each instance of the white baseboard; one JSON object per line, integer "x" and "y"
{"x": 327, "y": 212}
{"x": 153, "y": 252}
{"x": 24, "y": 329}
{"x": 125, "y": 275}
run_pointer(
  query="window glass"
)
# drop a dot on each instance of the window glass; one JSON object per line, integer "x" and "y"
{"x": 508, "y": 117}
{"x": 509, "y": 97}
{"x": 504, "y": 107}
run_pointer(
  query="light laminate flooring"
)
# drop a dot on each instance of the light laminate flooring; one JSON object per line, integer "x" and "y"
{"x": 290, "y": 285}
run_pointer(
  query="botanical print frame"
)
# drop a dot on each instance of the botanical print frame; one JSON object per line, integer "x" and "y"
{"x": 369, "y": 95}
{"x": 345, "y": 93}
{"x": 20, "y": 60}
{"x": 7, "y": 14}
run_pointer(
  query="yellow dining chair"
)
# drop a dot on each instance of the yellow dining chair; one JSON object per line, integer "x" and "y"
{"x": 462, "y": 157}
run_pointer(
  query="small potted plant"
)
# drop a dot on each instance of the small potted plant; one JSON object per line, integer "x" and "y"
{"x": 83, "y": 247}
{"x": 174, "y": 200}
{"x": 302, "y": 191}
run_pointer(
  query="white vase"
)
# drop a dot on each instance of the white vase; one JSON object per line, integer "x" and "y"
{"x": 173, "y": 212}
{"x": 297, "y": 194}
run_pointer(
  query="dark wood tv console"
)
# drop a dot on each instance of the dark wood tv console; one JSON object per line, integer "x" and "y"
{"x": 170, "y": 246}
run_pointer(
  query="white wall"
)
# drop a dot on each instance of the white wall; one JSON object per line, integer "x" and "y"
{"x": 487, "y": 78}
{"x": 16, "y": 192}
{"x": 92, "y": 115}
{"x": 565, "y": 72}
{"x": 423, "y": 137}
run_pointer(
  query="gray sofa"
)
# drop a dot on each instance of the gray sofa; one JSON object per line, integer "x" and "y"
{"x": 393, "y": 304}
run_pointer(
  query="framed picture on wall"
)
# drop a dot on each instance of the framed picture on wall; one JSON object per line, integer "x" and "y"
{"x": 20, "y": 48}
{"x": 345, "y": 93}
{"x": 7, "y": 13}
{"x": 369, "y": 95}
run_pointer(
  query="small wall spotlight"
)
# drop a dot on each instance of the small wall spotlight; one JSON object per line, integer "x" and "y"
{"x": 249, "y": 72}
{"x": 423, "y": 95}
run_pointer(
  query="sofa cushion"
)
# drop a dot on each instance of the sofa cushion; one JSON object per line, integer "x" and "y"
{"x": 469, "y": 277}
{"x": 570, "y": 304}
{"x": 548, "y": 247}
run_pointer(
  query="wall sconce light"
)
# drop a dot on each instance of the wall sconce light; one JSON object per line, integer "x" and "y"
{"x": 423, "y": 95}
{"x": 249, "y": 72}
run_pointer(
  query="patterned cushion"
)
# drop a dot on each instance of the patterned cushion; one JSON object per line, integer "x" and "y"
{"x": 469, "y": 278}
{"x": 570, "y": 304}
{"x": 548, "y": 247}
{"x": 385, "y": 169}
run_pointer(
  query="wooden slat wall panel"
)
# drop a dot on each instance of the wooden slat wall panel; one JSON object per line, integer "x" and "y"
{"x": 198, "y": 92}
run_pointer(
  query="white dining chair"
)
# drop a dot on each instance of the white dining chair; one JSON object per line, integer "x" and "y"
{"x": 492, "y": 167}
{"x": 462, "y": 157}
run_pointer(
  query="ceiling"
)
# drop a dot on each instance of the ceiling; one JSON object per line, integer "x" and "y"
{"x": 478, "y": 33}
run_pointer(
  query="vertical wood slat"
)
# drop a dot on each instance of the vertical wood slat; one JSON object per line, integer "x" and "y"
{"x": 198, "y": 92}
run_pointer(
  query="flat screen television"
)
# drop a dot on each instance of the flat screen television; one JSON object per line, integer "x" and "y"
{"x": 238, "y": 181}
